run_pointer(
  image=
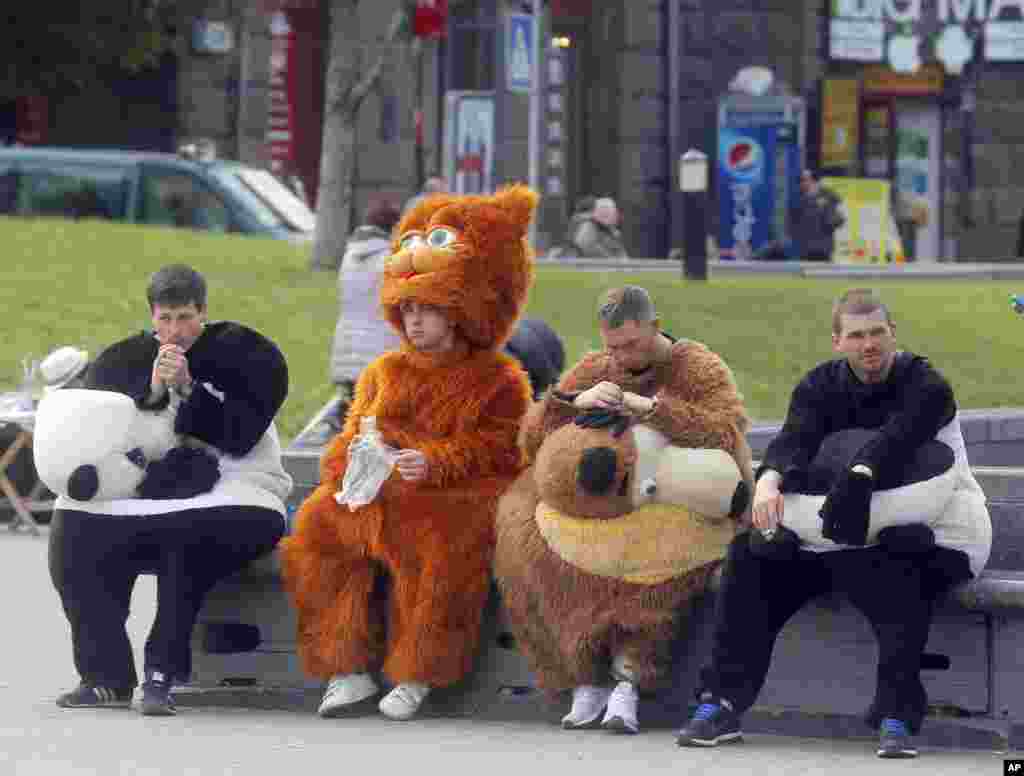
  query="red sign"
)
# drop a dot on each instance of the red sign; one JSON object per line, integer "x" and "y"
{"x": 570, "y": 8}
{"x": 32, "y": 120}
{"x": 431, "y": 18}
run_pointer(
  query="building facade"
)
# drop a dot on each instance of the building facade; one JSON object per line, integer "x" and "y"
{"x": 927, "y": 94}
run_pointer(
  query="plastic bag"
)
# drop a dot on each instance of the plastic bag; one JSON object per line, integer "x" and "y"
{"x": 370, "y": 462}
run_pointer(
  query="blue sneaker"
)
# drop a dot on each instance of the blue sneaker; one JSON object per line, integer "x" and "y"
{"x": 894, "y": 740}
{"x": 713, "y": 723}
{"x": 157, "y": 700}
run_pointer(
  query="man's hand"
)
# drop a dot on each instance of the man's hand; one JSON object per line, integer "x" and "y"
{"x": 170, "y": 369}
{"x": 847, "y": 509}
{"x": 604, "y": 396}
{"x": 412, "y": 465}
{"x": 768, "y": 505}
{"x": 637, "y": 405}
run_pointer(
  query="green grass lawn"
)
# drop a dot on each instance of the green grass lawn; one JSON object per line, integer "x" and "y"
{"x": 84, "y": 284}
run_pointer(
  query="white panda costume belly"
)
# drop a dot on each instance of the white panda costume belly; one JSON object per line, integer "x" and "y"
{"x": 936, "y": 488}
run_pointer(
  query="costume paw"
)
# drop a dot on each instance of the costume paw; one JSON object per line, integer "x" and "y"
{"x": 847, "y": 509}
{"x": 183, "y": 473}
{"x": 910, "y": 539}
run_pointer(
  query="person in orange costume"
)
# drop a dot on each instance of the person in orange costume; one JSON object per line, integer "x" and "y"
{"x": 452, "y": 403}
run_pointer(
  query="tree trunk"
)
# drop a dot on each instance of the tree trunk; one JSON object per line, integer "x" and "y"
{"x": 347, "y": 84}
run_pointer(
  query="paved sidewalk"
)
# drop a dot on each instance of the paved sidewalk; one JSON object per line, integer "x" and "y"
{"x": 38, "y": 739}
{"x": 812, "y": 269}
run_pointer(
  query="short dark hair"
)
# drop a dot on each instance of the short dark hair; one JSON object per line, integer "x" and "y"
{"x": 176, "y": 285}
{"x": 383, "y": 214}
{"x": 857, "y": 301}
{"x": 628, "y": 303}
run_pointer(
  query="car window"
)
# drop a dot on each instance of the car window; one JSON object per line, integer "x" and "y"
{"x": 70, "y": 191}
{"x": 275, "y": 194}
{"x": 173, "y": 198}
{"x": 8, "y": 190}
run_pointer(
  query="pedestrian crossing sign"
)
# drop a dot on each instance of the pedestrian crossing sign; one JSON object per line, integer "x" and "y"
{"x": 519, "y": 65}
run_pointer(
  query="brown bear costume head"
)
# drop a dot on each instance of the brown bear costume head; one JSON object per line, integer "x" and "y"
{"x": 615, "y": 499}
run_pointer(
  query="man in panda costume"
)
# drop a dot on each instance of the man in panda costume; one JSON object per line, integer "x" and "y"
{"x": 204, "y": 511}
{"x": 892, "y": 575}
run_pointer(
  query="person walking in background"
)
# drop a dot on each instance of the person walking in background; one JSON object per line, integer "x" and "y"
{"x": 597, "y": 236}
{"x": 583, "y": 211}
{"x": 361, "y": 333}
{"x": 816, "y": 219}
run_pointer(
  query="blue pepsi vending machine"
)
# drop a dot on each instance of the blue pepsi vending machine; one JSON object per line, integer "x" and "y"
{"x": 760, "y": 156}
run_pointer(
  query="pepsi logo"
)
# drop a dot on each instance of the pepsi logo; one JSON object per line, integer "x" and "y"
{"x": 743, "y": 155}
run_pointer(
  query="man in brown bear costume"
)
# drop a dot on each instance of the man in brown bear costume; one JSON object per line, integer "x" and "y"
{"x": 681, "y": 389}
{"x": 451, "y": 403}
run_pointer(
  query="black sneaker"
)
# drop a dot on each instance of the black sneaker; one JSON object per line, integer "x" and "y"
{"x": 88, "y": 696}
{"x": 156, "y": 696}
{"x": 713, "y": 723}
{"x": 894, "y": 740}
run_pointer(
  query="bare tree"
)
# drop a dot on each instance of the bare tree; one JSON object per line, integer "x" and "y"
{"x": 349, "y": 80}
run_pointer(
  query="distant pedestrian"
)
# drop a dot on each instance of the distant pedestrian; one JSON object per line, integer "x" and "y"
{"x": 598, "y": 236}
{"x": 817, "y": 218}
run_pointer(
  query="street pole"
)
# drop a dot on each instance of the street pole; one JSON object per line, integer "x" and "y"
{"x": 533, "y": 141}
{"x": 693, "y": 180}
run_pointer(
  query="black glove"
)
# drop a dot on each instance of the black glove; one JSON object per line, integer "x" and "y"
{"x": 847, "y": 509}
{"x": 597, "y": 418}
{"x": 183, "y": 473}
{"x": 912, "y": 539}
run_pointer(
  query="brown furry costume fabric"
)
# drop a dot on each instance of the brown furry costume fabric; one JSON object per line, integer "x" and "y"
{"x": 699, "y": 404}
{"x": 462, "y": 408}
{"x": 569, "y": 622}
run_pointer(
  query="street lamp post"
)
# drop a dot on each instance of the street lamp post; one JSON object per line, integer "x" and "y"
{"x": 693, "y": 181}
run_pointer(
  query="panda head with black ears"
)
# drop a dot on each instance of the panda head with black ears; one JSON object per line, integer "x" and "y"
{"x": 92, "y": 445}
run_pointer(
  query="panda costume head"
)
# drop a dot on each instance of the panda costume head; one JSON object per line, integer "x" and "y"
{"x": 917, "y": 493}
{"x": 92, "y": 445}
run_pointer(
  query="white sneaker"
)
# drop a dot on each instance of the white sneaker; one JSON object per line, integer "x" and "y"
{"x": 621, "y": 714}
{"x": 404, "y": 701}
{"x": 588, "y": 701}
{"x": 344, "y": 690}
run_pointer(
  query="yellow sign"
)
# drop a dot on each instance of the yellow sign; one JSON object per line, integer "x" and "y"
{"x": 883, "y": 80}
{"x": 840, "y": 125}
{"x": 865, "y": 238}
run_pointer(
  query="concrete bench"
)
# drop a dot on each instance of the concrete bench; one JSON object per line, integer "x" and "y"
{"x": 821, "y": 680}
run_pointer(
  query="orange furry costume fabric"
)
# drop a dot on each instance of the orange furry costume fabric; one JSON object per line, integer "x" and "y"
{"x": 433, "y": 540}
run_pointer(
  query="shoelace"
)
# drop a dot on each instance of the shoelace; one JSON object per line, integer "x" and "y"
{"x": 894, "y": 727}
{"x": 706, "y": 711}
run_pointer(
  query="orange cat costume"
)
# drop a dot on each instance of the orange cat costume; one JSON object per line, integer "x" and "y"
{"x": 432, "y": 540}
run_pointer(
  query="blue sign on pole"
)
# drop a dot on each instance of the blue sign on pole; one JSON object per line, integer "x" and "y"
{"x": 519, "y": 66}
